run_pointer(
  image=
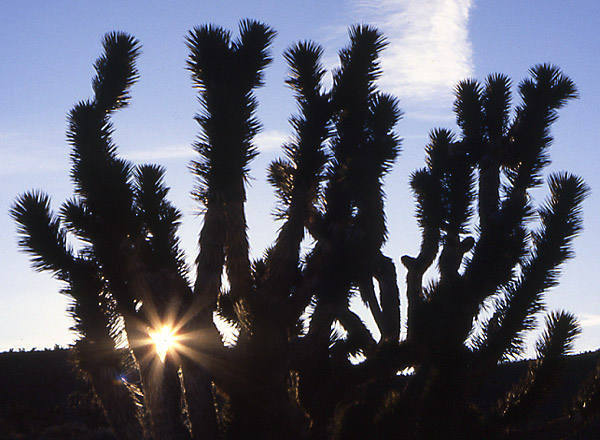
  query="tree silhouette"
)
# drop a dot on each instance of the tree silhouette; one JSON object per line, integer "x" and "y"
{"x": 289, "y": 373}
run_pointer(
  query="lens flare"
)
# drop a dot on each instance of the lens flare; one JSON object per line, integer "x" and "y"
{"x": 163, "y": 339}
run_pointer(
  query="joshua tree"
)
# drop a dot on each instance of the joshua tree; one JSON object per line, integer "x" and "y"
{"x": 147, "y": 339}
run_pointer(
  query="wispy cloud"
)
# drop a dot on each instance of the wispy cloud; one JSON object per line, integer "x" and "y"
{"x": 267, "y": 141}
{"x": 429, "y": 48}
{"x": 270, "y": 140}
{"x": 17, "y": 161}
{"x": 589, "y": 320}
{"x": 161, "y": 153}
{"x": 23, "y": 152}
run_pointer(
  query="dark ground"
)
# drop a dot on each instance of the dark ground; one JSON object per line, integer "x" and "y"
{"x": 42, "y": 397}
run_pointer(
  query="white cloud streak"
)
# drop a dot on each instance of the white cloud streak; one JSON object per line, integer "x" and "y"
{"x": 266, "y": 142}
{"x": 429, "y": 48}
{"x": 15, "y": 162}
{"x": 25, "y": 161}
{"x": 270, "y": 140}
{"x": 589, "y": 320}
{"x": 161, "y": 153}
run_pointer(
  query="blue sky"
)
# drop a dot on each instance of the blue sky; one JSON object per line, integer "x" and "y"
{"x": 46, "y": 55}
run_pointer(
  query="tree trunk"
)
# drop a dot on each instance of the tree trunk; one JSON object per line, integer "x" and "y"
{"x": 117, "y": 402}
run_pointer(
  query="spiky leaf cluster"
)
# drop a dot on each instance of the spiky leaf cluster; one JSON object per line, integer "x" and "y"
{"x": 303, "y": 363}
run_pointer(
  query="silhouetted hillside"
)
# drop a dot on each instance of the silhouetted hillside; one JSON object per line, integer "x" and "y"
{"x": 578, "y": 368}
{"x": 42, "y": 397}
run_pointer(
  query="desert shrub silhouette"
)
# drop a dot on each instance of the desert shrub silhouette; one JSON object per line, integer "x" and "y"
{"x": 288, "y": 374}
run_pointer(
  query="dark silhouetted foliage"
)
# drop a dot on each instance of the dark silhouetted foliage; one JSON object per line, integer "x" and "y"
{"x": 289, "y": 373}
{"x": 42, "y": 393}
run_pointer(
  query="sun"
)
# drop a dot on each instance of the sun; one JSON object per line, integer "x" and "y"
{"x": 164, "y": 339}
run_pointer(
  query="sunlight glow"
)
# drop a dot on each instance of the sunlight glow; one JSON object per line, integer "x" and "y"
{"x": 163, "y": 339}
